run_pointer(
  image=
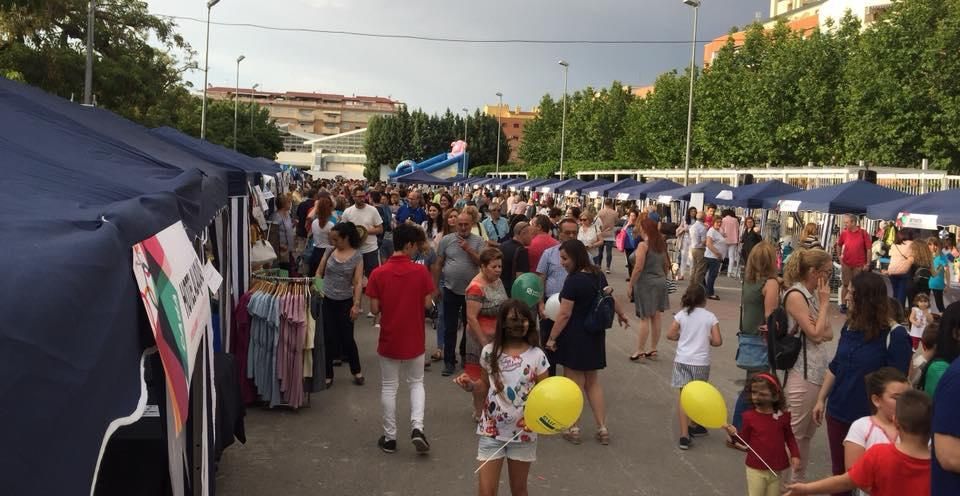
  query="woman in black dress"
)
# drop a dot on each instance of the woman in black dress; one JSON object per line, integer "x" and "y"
{"x": 582, "y": 354}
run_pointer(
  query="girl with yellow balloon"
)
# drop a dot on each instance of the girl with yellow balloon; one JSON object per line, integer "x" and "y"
{"x": 521, "y": 401}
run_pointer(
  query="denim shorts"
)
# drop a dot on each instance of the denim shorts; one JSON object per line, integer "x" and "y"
{"x": 517, "y": 451}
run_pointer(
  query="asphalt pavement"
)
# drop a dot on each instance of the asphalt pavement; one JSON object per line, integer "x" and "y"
{"x": 329, "y": 448}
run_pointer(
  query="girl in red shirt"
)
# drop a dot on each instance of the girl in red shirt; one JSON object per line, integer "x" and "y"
{"x": 766, "y": 428}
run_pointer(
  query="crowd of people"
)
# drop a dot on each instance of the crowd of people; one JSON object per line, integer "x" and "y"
{"x": 454, "y": 255}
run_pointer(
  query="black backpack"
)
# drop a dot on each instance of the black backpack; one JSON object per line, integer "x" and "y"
{"x": 602, "y": 311}
{"x": 784, "y": 347}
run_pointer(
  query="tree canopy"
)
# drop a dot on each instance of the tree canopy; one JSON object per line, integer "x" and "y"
{"x": 139, "y": 63}
{"x": 886, "y": 94}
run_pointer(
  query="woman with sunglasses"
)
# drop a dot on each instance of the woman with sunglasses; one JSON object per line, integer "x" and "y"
{"x": 589, "y": 235}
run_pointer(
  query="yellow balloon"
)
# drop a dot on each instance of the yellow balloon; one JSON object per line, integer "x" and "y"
{"x": 704, "y": 404}
{"x": 553, "y": 406}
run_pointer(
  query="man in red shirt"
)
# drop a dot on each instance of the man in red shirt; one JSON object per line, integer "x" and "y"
{"x": 399, "y": 291}
{"x": 541, "y": 239}
{"x": 854, "y": 245}
{"x": 889, "y": 469}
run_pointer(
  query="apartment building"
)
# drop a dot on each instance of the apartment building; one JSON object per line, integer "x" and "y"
{"x": 321, "y": 114}
{"x": 805, "y": 16}
{"x": 513, "y": 122}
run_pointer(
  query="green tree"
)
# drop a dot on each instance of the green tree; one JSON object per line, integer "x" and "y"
{"x": 45, "y": 43}
{"x": 662, "y": 121}
{"x": 541, "y": 136}
{"x": 261, "y": 140}
{"x": 891, "y": 106}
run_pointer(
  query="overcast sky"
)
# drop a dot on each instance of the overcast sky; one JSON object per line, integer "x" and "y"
{"x": 435, "y": 76}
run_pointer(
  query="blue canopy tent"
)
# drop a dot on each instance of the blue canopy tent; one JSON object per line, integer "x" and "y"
{"x": 510, "y": 182}
{"x": 848, "y": 198}
{"x": 80, "y": 196}
{"x": 487, "y": 181}
{"x": 561, "y": 187}
{"x": 217, "y": 154}
{"x": 941, "y": 204}
{"x": 420, "y": 177}
{"x": 606, "y": 190}
{"x": 88, "y": 124}
{"x": 596, "y": 183}
{"x": 644, "y": 190}
{"x": 709, "y": 189}
{"x": 466, "y": 181}
{"x": 752, "y": 195}
{"x": 534, "y": 184}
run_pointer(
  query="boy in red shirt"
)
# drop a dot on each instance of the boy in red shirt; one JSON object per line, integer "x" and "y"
{"x": 889, "y": 469}
{"x": 400, "y": 290}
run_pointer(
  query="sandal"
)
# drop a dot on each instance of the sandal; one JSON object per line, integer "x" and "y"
{"x": 603, "y": 436}
{"x": 652, "y": 354}
{"x": 573, "y": 435}
{"x": 359, "y": 380}
{"x": 636, "y": 356}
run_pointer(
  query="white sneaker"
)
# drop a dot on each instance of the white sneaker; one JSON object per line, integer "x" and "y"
{"x": 377, "y": 325}
{"x": 370, "y": 315}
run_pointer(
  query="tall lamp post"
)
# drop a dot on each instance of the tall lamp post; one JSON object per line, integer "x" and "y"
{"x": 499, "y": 129}
{"x": 563, "y": 121}
{"x": 206, "y": 72}
{"x": 88, "y": 72}
{"x": 693, "y": 56}
{"x": 236, "y": 102}
{"x": 466, "y": 115}
{"x": 252, "y": 96}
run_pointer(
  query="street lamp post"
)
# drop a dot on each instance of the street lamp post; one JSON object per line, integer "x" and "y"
{"x": 563, "y": 120}
{"x": 466, "y": 115}
{"x": 693, "y": 56}
{"x": 88, "y": 73}
{"x": 252, "y": 96}
{"x": 499, "y": 129}
{"x": 236, "y": 102}
{"x": 206, "y": 72}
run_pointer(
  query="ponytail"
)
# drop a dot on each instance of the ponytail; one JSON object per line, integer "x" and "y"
{"x": 801, "y": 262}
{"x": 694, "y": 297}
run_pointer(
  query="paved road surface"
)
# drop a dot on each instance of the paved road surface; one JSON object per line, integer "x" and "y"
{"x": 330, "y": 447}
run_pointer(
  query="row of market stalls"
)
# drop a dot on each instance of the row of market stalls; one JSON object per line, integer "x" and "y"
{"x": 860, "y": 197}
{"x": 79, "y": 361}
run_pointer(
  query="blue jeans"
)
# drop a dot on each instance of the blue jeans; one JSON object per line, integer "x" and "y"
{"x": 608, "y": 247}
{"x": 713, "y": 270}
{"x": 741, "y": 406}
{"x": 899, "y": 284}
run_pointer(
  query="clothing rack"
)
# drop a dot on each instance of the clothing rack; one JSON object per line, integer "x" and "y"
{"x": 261, "y": 378}
{"x": 264, "y": 276}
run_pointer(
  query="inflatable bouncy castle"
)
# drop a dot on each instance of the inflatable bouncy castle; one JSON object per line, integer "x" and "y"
{"x": 444, "y": 166}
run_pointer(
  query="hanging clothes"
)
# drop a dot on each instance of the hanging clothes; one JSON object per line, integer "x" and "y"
{"x": 273, "y": 331}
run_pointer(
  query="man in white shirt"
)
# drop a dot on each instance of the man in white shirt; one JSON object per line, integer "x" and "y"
{"x": 698, "y": 239}
{"x": 364, "y": 215}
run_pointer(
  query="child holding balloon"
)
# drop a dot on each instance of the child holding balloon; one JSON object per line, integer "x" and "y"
{"x": 766, "y": 430}
{"x": 512, "y": 365}
{"x": 695, "y": 329}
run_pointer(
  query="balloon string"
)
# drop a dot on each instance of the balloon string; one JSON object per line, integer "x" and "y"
{"x": 775, "y": 474}
{"x": 495, "y": 453}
